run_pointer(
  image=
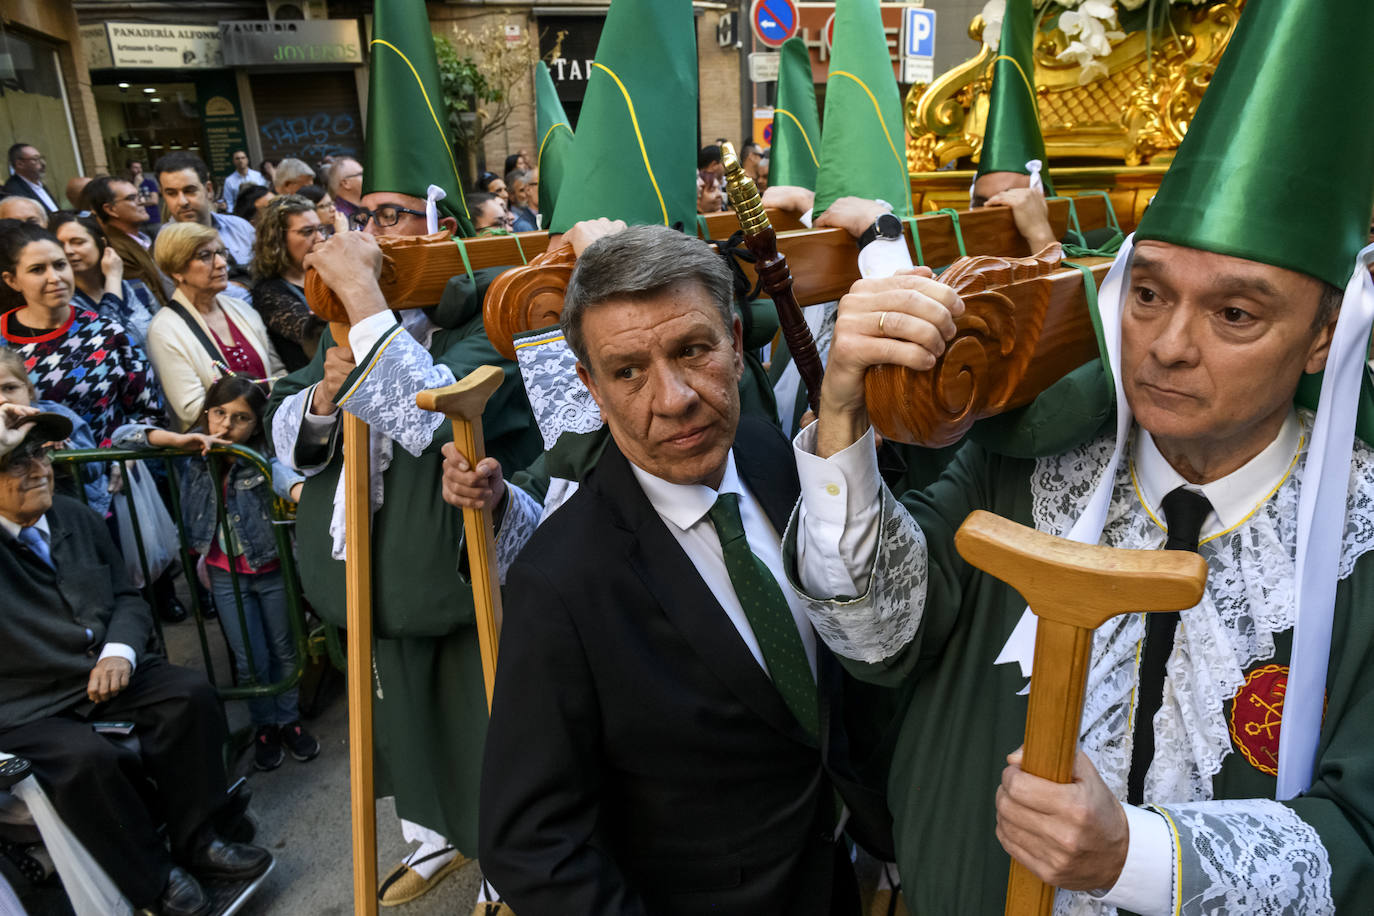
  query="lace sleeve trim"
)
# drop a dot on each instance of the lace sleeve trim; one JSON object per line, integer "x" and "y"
{"x": 1252, "y": 856}
{"x": 881, "y": 622}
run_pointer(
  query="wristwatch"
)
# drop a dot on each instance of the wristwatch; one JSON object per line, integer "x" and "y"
{"x": 885, "y": 226}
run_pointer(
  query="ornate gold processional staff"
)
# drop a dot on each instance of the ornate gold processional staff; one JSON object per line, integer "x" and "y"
{"x": 773, "y": 272}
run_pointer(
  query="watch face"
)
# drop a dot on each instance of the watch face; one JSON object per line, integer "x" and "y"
{"x": 889, "y": 226}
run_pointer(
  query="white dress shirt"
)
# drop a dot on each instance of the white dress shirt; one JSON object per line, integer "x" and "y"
{"x": 684, "y": 508}
{"x": 840, "y": 506}
{"x": 42, "y": 194}
{"x": 119, "y": 649}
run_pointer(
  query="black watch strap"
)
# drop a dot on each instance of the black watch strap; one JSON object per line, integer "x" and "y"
{"x": 885, "y": 226}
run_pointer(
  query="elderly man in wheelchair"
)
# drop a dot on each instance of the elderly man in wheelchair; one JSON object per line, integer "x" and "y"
{"x": 76, "y": 666}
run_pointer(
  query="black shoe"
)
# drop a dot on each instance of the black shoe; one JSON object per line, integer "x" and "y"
{"x": 299, "y": 742}
{"x": 172, "y": 611}
{"x": 229, "y": 861}
{"x": 267, "y": 753}
{"x": 183, "y": 895}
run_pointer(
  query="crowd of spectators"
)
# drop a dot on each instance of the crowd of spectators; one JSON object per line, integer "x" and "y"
{"x": 155, "y": 310}
{"x": 137, "y": 317}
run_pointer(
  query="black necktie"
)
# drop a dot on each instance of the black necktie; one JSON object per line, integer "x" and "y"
{"x": 1184, "y": 512}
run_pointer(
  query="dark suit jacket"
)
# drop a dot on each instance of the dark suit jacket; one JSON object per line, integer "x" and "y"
{"x": 47, "y": 653}
{"x": 639, "y": 760}
{"x": 18, "y": 187}
{"x": 138, "y": 263}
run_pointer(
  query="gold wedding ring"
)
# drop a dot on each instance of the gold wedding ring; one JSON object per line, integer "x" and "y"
{"x": 882, "y": 319}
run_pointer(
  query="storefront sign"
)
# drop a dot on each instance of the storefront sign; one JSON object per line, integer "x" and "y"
{"x": 817, "y": 21}
{"x": 221, "y": 121}
{"x": 291, "y": 43}
{"x": 568, "y": 45}
{"x": 154, "y": 45}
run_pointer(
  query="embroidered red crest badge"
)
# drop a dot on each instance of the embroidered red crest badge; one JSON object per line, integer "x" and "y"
{"x": 1257, "y": 713}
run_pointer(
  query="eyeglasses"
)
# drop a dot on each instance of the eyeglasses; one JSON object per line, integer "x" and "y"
{"x": 22, "y": 460}
{"x": 33, "y": 158}
{"x": 386, "y": 215}
{"x": 350, "y": 177}
{"x": 220, "y": 415}
{"x": 207, "y": 257}
{"x": 129, "y": 198}
{"x": 321, "y": 230}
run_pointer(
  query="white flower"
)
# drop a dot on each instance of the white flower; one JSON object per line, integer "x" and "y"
{"x": 1091, "y": 29}
{"x": 994, "y": 11}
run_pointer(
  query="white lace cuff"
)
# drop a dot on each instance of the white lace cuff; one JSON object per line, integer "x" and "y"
{"x": 517, "y": 526}
{"x": 1145, "y": 885}
{"x": 382, "y": 389}
{"x": 881, "y": 621}
{"x": 1248, "y": 856}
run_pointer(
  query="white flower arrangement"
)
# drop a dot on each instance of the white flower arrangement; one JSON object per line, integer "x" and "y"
{"x": 1090, "y": 25}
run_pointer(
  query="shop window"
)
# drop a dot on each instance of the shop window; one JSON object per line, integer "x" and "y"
{"x": 33, "y": 108}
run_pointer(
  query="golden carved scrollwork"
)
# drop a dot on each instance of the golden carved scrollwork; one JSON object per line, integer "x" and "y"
{"x": 1136, "y": 114}
{"x": 982, "y": 366}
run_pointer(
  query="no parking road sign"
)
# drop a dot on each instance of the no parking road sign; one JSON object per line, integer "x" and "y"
{"x": 774, "y": 21}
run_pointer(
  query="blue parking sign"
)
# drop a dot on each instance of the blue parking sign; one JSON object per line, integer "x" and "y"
{"x": 919, "y": 29}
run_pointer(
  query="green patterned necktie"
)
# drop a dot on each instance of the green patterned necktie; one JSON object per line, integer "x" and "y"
{"x": 769, "y": 616}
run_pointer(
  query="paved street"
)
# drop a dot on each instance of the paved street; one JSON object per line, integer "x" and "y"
{"x": 302, "y": 811}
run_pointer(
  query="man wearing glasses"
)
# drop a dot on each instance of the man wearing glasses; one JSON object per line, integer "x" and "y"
{"x": 346, "y": 185}
{"x": 77, "y": 653}
{"x": 28, "y": 166}
{"x": 188, "y": 195}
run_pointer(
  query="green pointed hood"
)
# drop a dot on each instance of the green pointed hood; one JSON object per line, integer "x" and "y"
{"x": 555, "y": 138}
{"x": 863, "y": 146}
{"x": 1253, "y": 179}
{"x": 635, "y": 150}
{"x": 1012, "y": 136}
{"x": 408, "y": 146}
{"x": 794, "y": 157}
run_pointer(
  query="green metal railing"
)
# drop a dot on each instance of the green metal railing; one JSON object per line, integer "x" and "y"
{"x": 310, "y": 644}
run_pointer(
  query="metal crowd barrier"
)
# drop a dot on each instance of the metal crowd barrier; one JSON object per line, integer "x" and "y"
{"x": 310, "y": 643}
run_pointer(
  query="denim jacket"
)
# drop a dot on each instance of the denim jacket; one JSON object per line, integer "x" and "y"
{"x": 247, "y": 501}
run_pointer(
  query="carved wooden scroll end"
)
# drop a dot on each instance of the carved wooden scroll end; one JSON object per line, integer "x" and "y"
{"x": 1004, "y": 310}
{"x": 527, "y": 298}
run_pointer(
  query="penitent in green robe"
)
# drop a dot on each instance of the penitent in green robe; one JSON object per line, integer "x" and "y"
{"x": 932, "y": 624}
{"x": 429, "y": 712}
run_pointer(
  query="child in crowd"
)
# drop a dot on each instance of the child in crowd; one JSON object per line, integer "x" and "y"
{"x": 233, "y": 414}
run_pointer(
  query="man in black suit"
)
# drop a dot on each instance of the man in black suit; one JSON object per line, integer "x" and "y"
{"x": 665, "y": 735}
{"x": 75, "y": 634}
{"x": 28, "y": 166}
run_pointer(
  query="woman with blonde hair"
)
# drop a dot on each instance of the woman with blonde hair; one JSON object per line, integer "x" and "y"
{"x": 202, "y": 334}
{"x": 289, "y": 229}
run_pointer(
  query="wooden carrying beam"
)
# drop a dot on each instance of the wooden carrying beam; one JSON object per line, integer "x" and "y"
{"x": 1073, "y": 588}
{"x": 416, "y": 269}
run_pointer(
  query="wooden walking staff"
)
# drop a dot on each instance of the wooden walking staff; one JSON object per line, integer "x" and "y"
{"x": 358, "y": 602}
{"x": 463, "y": 402}
{"x": 1073, "y": 588}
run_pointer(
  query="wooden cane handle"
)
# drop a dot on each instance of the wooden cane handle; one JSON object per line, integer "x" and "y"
{"x": 1080, "y": 584}
{"x": 466, "y": 398}
{"x": 1073, "y": 589}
